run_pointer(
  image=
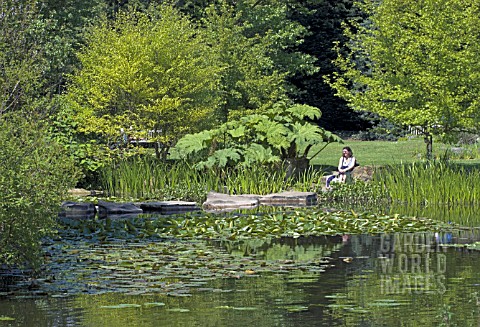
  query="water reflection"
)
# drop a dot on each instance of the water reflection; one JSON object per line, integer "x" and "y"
{"x": 462, "y": 215}
{"x": 358, "y": 280}
{"x": 414, "y": 280}
{"x": 285, "y": 248}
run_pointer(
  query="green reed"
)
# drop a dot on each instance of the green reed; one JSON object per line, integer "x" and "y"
{"x": 145, "y": 178}
{"x": 430, "y": 183}
{"x": 255, "y": 180}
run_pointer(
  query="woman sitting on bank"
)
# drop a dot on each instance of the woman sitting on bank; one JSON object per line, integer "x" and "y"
{"x": 345, "y": 166}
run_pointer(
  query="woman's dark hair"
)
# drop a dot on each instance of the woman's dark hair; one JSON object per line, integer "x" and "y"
{"x": 348, "y": 149}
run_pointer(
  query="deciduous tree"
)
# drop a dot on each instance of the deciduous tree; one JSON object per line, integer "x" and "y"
{"x": 415, "y": 63}
{"x": 20, "y": 56}
{"x": 255, "y": 42}
{"x": 324, "y": 20}
{"x": 148, "y": 70}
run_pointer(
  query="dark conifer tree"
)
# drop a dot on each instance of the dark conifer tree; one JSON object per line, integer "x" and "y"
{"x": 325, "y": 25}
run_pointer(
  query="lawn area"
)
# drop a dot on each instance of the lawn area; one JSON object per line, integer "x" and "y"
{"x": 379, "y": 153}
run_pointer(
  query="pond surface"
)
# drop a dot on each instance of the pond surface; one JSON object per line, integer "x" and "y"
{"x": 357, "y": 280}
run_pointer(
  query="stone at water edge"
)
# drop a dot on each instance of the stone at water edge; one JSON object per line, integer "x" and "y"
{"x": 71, "y": 209}
{"x": 79, "y": 192}
{"x": 220, "y": 201}
{"x": 360, "y": 173}
{"x": 289, "y": 198}
{"x": 108, "y": 208}
{"x": 363, "y": 173}
{"x": 168, "y": 206}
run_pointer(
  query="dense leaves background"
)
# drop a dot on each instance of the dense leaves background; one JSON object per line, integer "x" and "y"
{"x": 35, "y": 174}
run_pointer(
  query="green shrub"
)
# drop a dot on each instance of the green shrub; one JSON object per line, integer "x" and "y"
{"x": 35, "y": 174}
{"x": 356, "y": 193}
{"x": 283, "y": 132}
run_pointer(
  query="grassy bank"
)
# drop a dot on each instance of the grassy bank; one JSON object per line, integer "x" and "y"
{"x": 144, "y": 178}
{"x": 380, "y": 153}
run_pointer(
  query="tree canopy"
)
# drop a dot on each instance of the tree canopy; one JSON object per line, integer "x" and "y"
{"x": 251, "y": 40}
{"x": 20, "y": 56}
{"x": 415, "y": 63}
{"x": 324, "y": 19}
{"x": 154, "y": 69}
{"x": 146, "y": 70}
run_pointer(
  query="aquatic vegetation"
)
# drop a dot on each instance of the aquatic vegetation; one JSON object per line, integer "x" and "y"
{"x": 469, "y": 246}
{"x": 293, "y": 223}
{"x": 166, "y": 266}
{"x": 431, "y": 182}
{"x": 143, "y": 178}
{"x": 358, "y": 192}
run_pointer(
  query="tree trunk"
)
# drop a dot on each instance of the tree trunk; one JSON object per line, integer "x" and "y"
{"x": 429, "y": 142}
{"x": 161, "y": 151}
{"x": 296, "y": 166}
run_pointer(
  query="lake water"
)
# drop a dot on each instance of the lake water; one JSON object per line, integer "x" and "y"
{"x": 357, "y": 280}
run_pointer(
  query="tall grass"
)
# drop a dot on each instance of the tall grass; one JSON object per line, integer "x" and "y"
{"x": 430, "y": 183}
{"x": 144, "y": 178}
{"x": 254, "y": 180}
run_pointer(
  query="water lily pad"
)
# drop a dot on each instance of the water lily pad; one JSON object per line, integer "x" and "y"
{"x": 179, "y": 294}
{"x": 245, "y": 308}
{"x": 340, "y": 306}
{"x": 336, "y": 296}
{"x": 121, "y": 306}
{"x": 60, "y": 295}
{"x": 358, "y": 310}
{"x": 386, "y": 303}
{"x": 297, "y": 308}
{"x": 178, "y": 310}
{"x": 219, "y": 290}
{"x": 153, "y": 304}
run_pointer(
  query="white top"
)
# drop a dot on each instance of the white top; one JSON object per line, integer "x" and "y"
{"x": 348, "y": 162}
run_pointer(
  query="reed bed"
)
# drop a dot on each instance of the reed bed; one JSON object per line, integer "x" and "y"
{"x": 144, "y": 178}
{"x": 430, "y": 183}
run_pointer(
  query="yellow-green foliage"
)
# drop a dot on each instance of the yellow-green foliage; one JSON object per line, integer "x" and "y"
{"x": 148, "y": 70}
{"x": 415, "y": 63}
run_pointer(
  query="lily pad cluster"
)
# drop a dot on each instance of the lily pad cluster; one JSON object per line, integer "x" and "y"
{"x": 295, "y": 223}
{"x": 173, "y": 254}
{"x": 165, "y": 266}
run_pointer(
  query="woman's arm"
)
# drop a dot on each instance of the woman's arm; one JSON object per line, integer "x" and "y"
{"x": 350, "y": 166}
{"x": 340, "y": 164}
